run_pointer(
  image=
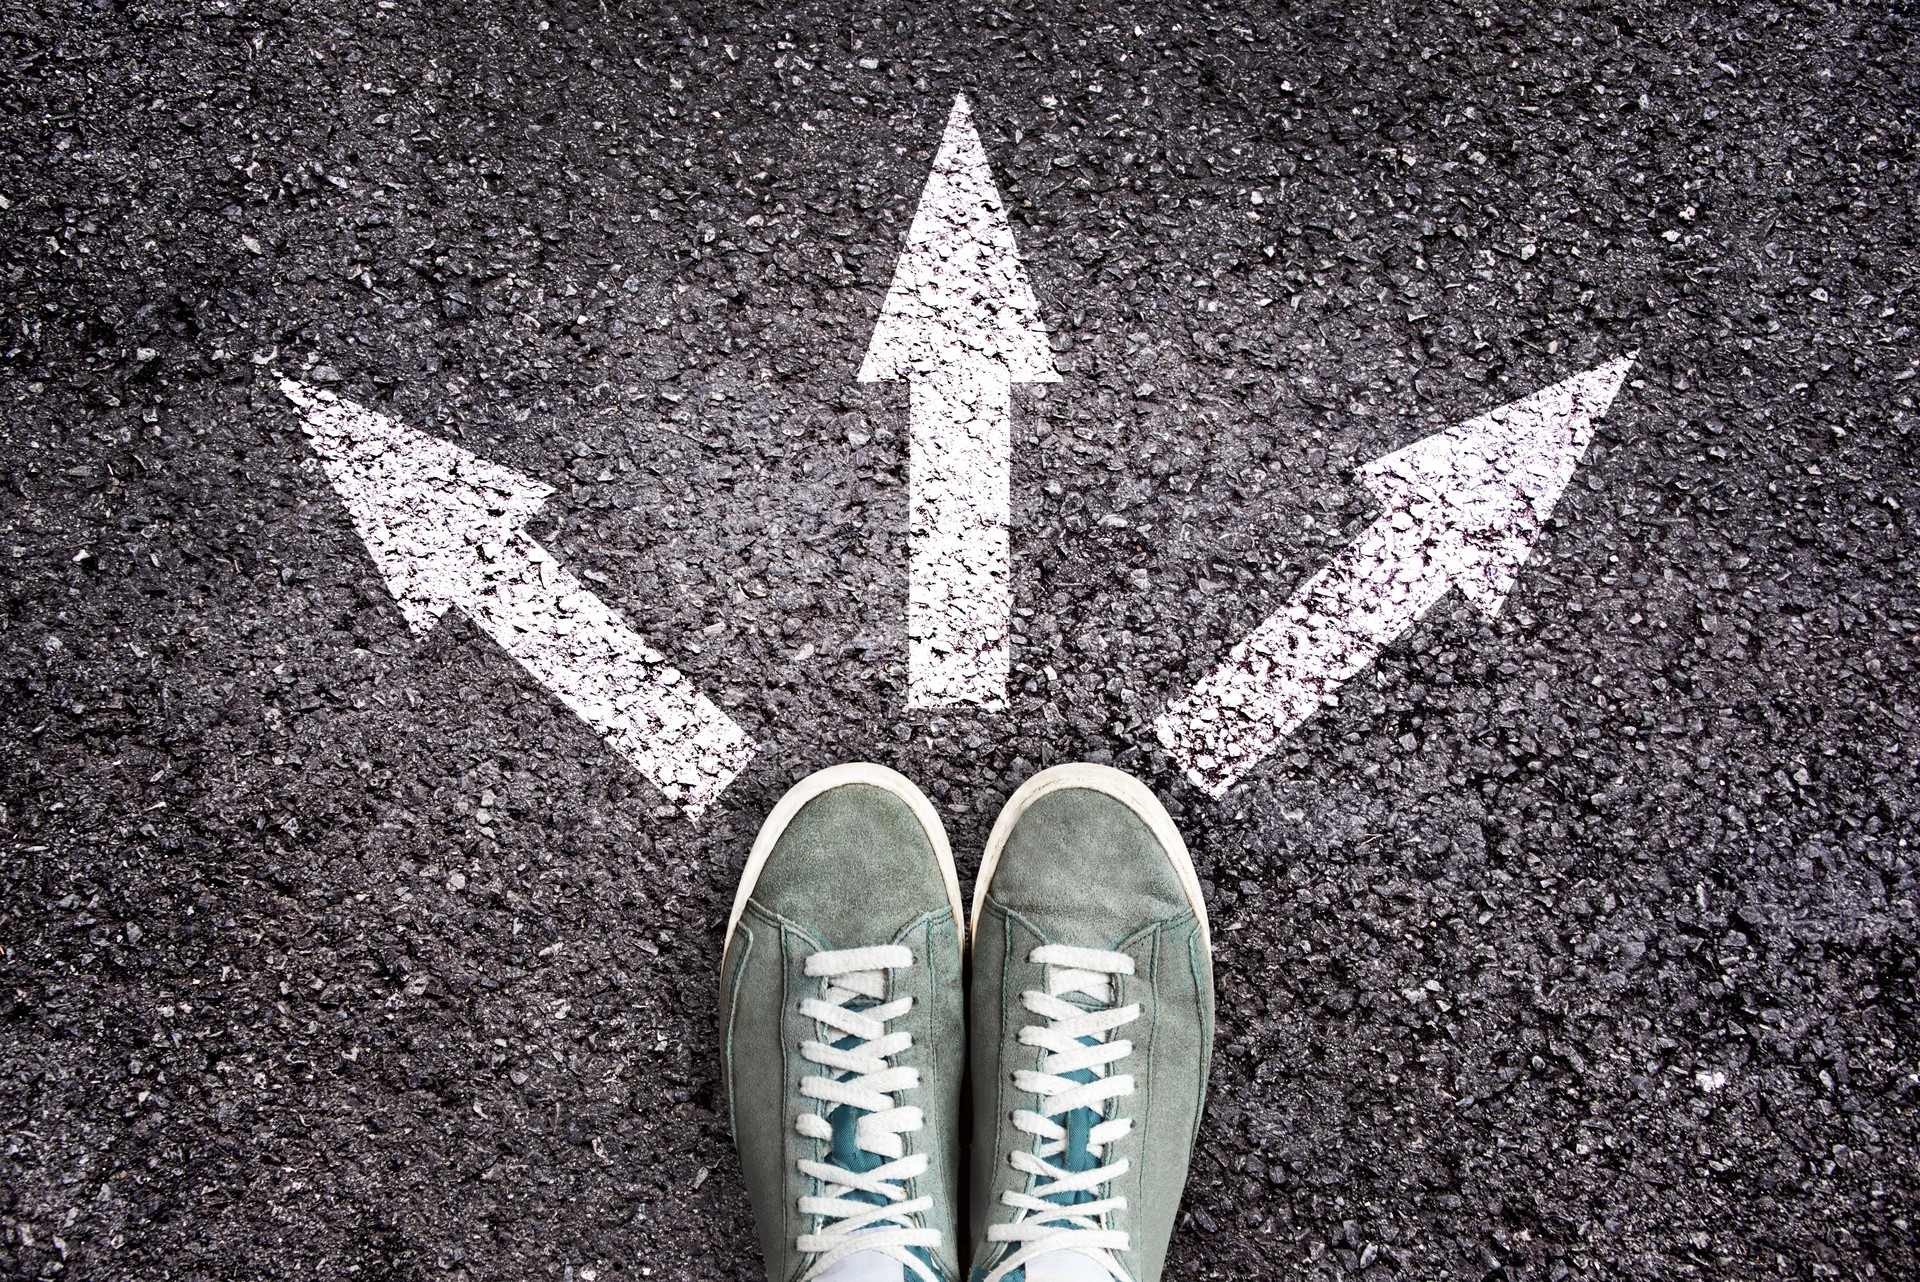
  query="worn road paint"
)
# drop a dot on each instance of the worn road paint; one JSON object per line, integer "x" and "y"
{"x": 1463, "y": 509}
{"x": 443, "y": 526}
{"x": 960, "y": 323}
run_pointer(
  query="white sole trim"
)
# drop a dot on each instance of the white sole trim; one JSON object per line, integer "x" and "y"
{"x": 1122, "y": 787}
{"x": 821, "y": 781}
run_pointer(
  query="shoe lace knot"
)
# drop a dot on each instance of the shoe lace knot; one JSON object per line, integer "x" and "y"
{"x": 863, "y": 1204}
{"x": 1067, "y": 1207}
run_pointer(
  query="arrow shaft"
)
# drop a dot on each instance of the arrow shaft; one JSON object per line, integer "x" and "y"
{"x": 1329, "y": 632}
{"x": 576, "y": 646}
{"x": 959, "y": 581}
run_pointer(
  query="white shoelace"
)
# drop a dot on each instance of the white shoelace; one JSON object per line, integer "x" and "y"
{"x": 861, "y": 1076}
{"x": 1076, "y": 1040}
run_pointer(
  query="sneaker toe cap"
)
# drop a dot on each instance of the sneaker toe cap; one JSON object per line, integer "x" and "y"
{"x": 1084, "y": 867}
{"x": 854, "y": 867}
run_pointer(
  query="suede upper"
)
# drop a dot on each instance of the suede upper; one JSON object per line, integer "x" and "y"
{"x": 853, "y": 869}
{"x": 1081, "y": 868}
{"x": 1086, "y": 865}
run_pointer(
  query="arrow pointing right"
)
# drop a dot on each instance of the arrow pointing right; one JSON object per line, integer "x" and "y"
{"x": 1464, "y": 507}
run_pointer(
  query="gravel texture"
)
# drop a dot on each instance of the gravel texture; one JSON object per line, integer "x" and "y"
{"x": 1576, "y": 943}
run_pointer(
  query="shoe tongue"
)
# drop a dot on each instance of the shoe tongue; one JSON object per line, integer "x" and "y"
{"x": 844, "y": 1150}
{"x": 1066, "y": 1266}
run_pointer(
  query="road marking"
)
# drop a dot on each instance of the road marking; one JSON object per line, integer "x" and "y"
{"x": 1464, "y": 507}
{"x": 443, "y": 526}
{"x": 960, "y": 324}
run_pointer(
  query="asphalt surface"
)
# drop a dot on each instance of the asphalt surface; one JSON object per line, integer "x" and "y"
{"x": 1579, "y": 943}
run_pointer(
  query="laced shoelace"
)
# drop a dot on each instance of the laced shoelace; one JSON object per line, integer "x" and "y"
{"x": 1072, "y": 1126}
{"x": 865, "y": 1206}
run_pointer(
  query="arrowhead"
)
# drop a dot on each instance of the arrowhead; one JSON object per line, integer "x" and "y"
{"x": 959, "y": 294}
{"x": 1482, "y": 490}
{"x": 427, "y": 510}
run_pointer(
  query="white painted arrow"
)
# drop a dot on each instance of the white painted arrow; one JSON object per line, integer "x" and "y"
{"x": 443, "y": 526}
{"x": 1463, "y": 509}
{"x": 960, "y": 324}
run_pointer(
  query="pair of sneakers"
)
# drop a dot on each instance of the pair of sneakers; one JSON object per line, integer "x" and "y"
{"x": 846, "y": 1018}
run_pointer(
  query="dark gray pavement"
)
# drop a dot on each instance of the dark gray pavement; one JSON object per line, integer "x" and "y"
{"x": 1581, "y": 943}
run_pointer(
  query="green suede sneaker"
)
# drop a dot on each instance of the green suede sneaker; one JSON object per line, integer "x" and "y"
{"x": 842, "y": 1024}
{"x": 1092, "y": 1030}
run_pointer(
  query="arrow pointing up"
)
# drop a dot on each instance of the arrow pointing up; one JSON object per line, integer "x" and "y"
{"x": 1463, "y": 508}
{"x": 444, "y": 529}
{"x": 960, "y": 324}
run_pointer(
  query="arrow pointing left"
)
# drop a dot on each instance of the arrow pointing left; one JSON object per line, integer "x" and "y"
{"x": 444, "y": 528}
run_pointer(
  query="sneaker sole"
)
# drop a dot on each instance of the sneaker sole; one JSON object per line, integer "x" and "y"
{"x": 823, "y": 781}
{"x": 1122, "y": 787}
